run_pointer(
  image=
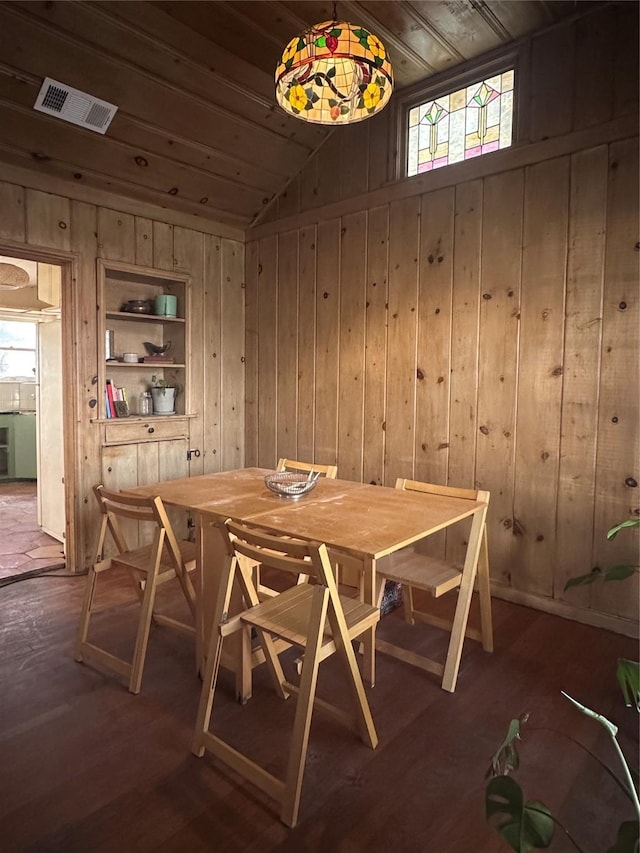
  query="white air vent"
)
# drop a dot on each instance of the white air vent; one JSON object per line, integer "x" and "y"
{"x": 58, "y": 99}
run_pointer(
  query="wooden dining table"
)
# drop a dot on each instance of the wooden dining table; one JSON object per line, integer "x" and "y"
{"x": 361, "y": 525}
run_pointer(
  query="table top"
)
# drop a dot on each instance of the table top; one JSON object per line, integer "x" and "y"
{"x": 360, "y": 519}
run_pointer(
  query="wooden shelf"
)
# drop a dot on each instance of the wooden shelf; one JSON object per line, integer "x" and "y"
{"x": 156, "y": 365}
{"x": 144, "y": 318}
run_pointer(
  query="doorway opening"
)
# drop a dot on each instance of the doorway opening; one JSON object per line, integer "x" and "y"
{"x": 32, "y": 474}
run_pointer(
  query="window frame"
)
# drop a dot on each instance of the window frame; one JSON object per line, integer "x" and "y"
{"x": 450, "y": 81}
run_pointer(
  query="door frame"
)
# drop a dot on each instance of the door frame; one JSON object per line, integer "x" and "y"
{"x": 68, "y": 261}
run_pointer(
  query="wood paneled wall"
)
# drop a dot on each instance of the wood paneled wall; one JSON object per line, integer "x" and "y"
{"x": 79, "y": 232}
{"x": 478, "y": 327}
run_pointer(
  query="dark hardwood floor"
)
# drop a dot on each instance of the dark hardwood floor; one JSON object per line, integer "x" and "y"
{"x": 86, "y": 766}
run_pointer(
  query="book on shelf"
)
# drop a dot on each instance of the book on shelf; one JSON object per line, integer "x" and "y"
{"x": 158, "y": 359}
{"x": 116, "y": 402}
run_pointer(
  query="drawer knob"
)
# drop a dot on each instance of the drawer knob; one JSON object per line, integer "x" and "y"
{"x": 150, "y": 430}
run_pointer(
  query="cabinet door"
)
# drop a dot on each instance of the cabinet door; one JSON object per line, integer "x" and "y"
{"x": 125, "y": 466}
{"x": 6, "y": 447}
{"x": 120, "y": 471}
{"x": 24, "y": 436}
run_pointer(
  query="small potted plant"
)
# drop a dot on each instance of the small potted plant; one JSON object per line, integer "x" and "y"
{"x": 163, "y": 394}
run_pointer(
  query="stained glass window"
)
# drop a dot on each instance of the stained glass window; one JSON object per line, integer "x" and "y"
{"x": 469, "y": 122}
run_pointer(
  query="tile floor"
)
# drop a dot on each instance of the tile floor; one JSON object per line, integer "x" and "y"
{"x": 23, "y": 545}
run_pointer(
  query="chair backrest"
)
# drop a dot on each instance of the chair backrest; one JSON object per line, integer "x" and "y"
{"x": 289, "y": 555}
{"x": 446, "y": 491}
{"x": 117, "y": 505}
{"x": 330, "y": 471}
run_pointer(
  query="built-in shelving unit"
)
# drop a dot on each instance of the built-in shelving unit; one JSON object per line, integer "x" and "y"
{"x": 118, "y": 284}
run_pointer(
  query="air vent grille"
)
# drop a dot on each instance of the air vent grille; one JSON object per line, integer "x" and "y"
{"x": 74, "y": 106}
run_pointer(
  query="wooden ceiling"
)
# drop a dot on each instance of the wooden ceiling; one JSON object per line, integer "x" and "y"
{"x": 197, "y": 127}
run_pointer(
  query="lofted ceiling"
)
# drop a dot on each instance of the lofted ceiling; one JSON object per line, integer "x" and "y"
{"x": 197, "y": 127}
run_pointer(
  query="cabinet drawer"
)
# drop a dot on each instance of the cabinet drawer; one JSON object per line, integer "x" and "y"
{"x": 150, "y": 429}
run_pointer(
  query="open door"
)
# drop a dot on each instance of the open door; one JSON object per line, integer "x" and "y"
{"x": 50, "y": 428}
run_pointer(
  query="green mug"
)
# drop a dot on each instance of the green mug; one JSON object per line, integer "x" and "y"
{"x": 166, "y": 305}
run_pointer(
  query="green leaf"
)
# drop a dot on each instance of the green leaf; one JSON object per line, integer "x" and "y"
{"x": 630, "y": 522}
{"x": 628, "y": 840}
{"x": 583, "y": 580}
{"x": 619, "y": 573}
{"x": 628, "y": 675}
{"x": 524, "y": 826}
{"x": 331, "y": 73}
{"x": 506, "y": 758}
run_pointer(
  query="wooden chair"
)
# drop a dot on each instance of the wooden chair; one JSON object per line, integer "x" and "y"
{"x": 310, "y": 616}
{"x": 148, "y": 567}
{"x": 437, "y": 577}
{"x": 329, "y": 471}
{"x": 293, "y": 465}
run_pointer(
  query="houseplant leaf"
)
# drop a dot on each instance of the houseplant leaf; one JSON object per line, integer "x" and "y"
{"x": 583, "y": 580}
{"x": 628, "y": 840}
{"x": 523, "y": 825}
{"x": 506, "y": 757}
{"x": 630, "y": 522}
{"x": 619, "y": 573}
{"x": 628, "y": 675}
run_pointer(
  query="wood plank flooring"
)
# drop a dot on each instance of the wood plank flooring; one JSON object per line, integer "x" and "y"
{"x": 85, "y": 766}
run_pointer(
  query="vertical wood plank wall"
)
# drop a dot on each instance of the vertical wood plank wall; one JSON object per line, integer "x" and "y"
{"x": 481, "y": 329}
{"x": 40, "y": 220}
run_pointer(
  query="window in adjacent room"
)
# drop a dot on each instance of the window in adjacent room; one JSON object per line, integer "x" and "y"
{"x": 18, "y": 345}
{"x": 464, "y": 122}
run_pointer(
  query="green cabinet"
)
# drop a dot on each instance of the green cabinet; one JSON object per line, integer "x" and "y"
{"x": 6, "y": 457}
{"x": 24, "y": 437}
{"x": 18, "y": 447}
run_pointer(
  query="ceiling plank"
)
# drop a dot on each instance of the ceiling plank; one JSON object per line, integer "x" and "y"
{"x": 461, "y": 23}
{"x": 53, "y": 139}
{"x": 21, "y": 88}
{"x": 56, "y": 54}
{"x": 417, "y": 31}
{"x": 122, "y": 36}
{"x": 214, "y": 22}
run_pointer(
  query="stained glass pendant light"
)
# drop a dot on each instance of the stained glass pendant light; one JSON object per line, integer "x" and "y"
{"x": 334, "y": 73}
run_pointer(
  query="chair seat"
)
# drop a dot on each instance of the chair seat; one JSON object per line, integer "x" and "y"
{"x": 288, "y": 615}
{"x": 138, "y": 559}
{"x": 422, "y": 572}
